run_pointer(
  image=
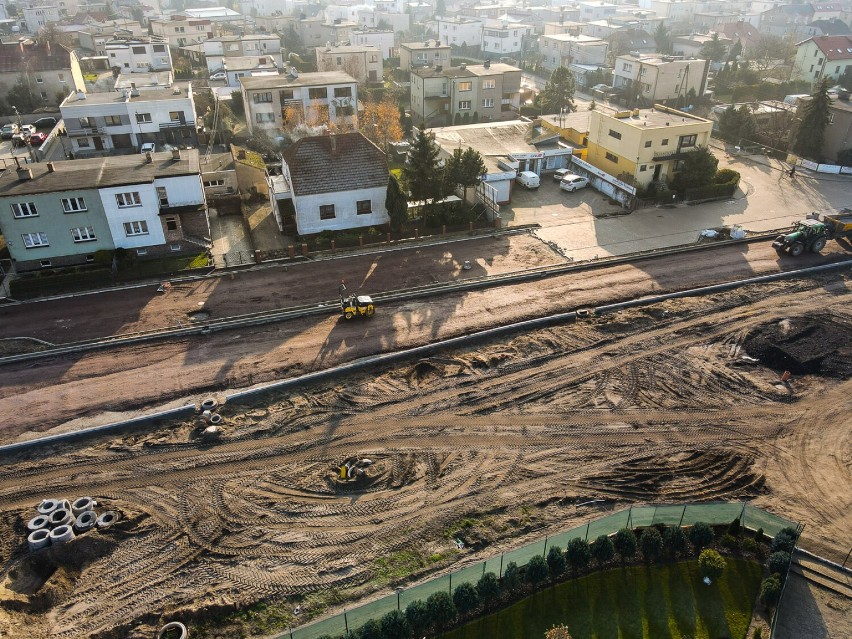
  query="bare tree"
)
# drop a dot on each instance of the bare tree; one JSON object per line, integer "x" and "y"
{"x": 769, "y": 52}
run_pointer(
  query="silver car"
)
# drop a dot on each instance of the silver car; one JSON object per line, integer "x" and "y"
{"x": 573, "y": 182}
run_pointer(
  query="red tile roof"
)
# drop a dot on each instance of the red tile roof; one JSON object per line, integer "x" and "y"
{"x": 834, "y": 47}
{"x": 28, "y": 55}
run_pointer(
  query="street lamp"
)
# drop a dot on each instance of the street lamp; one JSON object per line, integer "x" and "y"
{"x": 399, "y": 590}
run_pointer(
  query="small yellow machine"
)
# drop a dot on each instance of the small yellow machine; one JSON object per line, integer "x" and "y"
{"x": 355, "y": 305}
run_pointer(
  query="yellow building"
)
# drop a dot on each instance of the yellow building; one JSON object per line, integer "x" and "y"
{"x": 646, "y": 144}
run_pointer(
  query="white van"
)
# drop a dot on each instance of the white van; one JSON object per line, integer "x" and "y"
{"x": 528, "y": 179}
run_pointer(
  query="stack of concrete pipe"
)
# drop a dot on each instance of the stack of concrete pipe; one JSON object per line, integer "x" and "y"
{"x": 211, "y": 420}
{"x": 59, "y": 521}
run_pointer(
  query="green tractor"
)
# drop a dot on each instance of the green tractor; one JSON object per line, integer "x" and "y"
{"x": 808, "y": 235}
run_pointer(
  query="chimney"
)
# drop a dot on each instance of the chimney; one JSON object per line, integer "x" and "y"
{"x": 333, "y": 140}
{"x": 51, "y": 167}
{"x": 487, "y": 64}
{"x": 176, "y": 154}
{"x": 148, "y": 158}
{"x": 24, "y": 174}
{"x": 81, "y": 95}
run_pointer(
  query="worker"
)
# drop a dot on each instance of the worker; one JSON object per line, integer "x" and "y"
{"x": 792, "y": 172}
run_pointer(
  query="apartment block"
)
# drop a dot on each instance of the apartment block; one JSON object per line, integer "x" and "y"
{"x": 648, "y": 79}
{"x": 362, "y": 62}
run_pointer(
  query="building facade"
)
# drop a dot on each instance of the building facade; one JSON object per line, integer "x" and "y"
{"x": 460, "y": 31}
{"x": 382, "y": 39}
{"x": 822, "y": 57}
{"x": 45, "y": 68}
{"x": 362, "y": 62}
{"x": 430, "y": 53}
{"x": 504, "y": 37}
{"x": 648, "y": 79}
{"x": 137, "y": 56}
{"x": 179, "y": 33}
{"x": 564, "y": 50}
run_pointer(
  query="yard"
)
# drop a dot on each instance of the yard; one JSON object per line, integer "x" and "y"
{"x": 652, "y": 602}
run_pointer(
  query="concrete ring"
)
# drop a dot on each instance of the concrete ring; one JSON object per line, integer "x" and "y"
{"x": 173, "y": 625}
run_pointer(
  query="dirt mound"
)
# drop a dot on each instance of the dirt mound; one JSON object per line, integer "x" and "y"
{"x": 810, "y": 344}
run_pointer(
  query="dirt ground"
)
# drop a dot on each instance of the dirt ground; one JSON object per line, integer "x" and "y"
{"x": 663, "y": 403}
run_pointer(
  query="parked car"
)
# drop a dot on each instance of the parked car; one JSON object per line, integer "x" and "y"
{"x": 220, "y": 75}
{"x": 19, "y": 139}
{"x": 560, "y": 173}
{"x": 529, "y": 179}
{"x": 27, "y": 130}
{"x": 45, "y": 123}
{"x": 148, "y": 147}
{"x": 37, "y": 139}
{"x": 8, "y": 131}
{"x": 573, "y": 182}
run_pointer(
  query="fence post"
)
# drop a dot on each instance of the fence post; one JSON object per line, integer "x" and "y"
{"x": 544, "y": 553}
{"x": 501, "y": 566}
{"x": 630, "y": 517}
{"x": 682, "y": 515}
{"x": 345, "y": 621}
{"x": 483, "y": 568}
{"x": 451, "y": 584}
{"x": 588, "y": 523}
{"x": 742, "y": 514}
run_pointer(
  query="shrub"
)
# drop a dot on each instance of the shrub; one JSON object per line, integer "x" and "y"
{"x": 441, "y": 609}
{"x": 749, "y": 545}
{"x": 651, "y": 544}
{"x": 395, "y": 624}
{"x": 726, "y": 176}
{"x": 757, "y": 634}
{"x": 417, "y": 615}
{"x": 785, "y": 540}
{"x": 734, "y": 528}
{"x": 512, "y": 577}
{"x": 370, "y": 630}
{"x": 625, "y": 543}
{"x": 555, "y": 561}
{"x": 578, "y": 553}
{"x": 558, "y": 632}
{"x": 778, "y": 562}
{"x": 465, "y": 598}
{"x": 488, "y": 588}
{"x": 711, "y": 564}
{"x": 603, "y": 550}
{"x": 674, "y": 539}
{"x": 730, "y": 542}
{"x": 758, "y": 535}
{"x": 770, "y": 591}
{"x": 701, "y": 535}
{"x": 536, "y": 570}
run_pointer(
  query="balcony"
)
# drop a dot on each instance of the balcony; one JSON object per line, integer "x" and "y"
{"x": 176, "y": 124}
{"x": 674, "y": 154}
{"x": 83, "y": 131}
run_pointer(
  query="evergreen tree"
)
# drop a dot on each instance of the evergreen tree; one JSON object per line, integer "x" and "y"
{"x": 736, "y": 51}
{"x": 441, "y": 609}
{"x": 465, "y": 598}
{"x": 488, "y": 589}
{"x": 421, "y": 174}
{"x": 536, "y": 570}
{"x": 625, "y": 543}
{"x": 651, "y": 543}
{"x": 559, "y": 92}
{"x": 464, "y": 169}
{"x": 663, "y": 37}
{"x": 603, "y": 550}
{"x": 810, "y": 134}
{"x": 555, "y": 561}
{"x": 417, "y": 615}
{"x": 701, "y": 535}
{"x": 512, "y": 577}
{"x": 698, "y": 169}
{"x": 578, "y": 553}
{"x": 395, "y": 624}
{"x": 674, "y": 539}
{"x": 713, "y": 50}
{"x": 397, "y": 204}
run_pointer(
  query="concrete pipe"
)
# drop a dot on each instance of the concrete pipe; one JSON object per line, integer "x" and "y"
{"x": 81, "y": 505}
{"x": 107, "y": 519}
{"x": 39, "y": 539}
{"x": 85, "y": 520}
{"x": 47, "y": 506}
{"x": 166, "y": 631}
{"x": 206, "y": 415}
{"x": 61, "y": 534}
{"x": 209, "y": 404}
{"x": 61, "y": 517}
{"x": 215, "y": 418}
{"x": 38, "y": 522}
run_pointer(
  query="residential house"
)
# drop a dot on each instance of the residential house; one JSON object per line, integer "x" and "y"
{"x": 646, "y": 145}
{"x": 631, "y": 41}
{"x": 101, "y": 122}
{"x": 648, "y": 79}
{"x": 787, "y": 20}
{"x": 329, "y": 98}
{"x": 430, "y": 53}
{"x": 712, "y": 21}
{"x": 364, "y": 63}
{"x": 592, "y": 11}
{"x": 838, "y": 133}
{"x": 248, "y": 67}
{"x": 219, "y": 15}
{"x": 180, "y": 31}
{"x": 39, "y": 16}
{"x": 690, "y": 46}
{"x": 310, "y": 31}
{"x": 832, "y": 27}
{"x": 61, "y": 213}
{"x": 337, "y": 31}
{"x": 565, "y": 27}
{"x": 45, "y": 68}
{"x": 503, "y": 37}
{"x": 743, "y": 32}
{"x": 333, "y": 182}
{"x": 133, "y": 55}
{"x": 564, "y": 50}
{"x": 216, "y": 50}
{"x": 382, "y": 39}
{"x": 460, "y": 31}
{"x": 822, "y": 57}
{"x": 489, "y": 91}
{"x": 678, "y": 14}
{"x": 774, "y": 119}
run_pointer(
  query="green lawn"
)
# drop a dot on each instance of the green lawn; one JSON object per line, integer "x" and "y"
{"x": 647, "y": 602}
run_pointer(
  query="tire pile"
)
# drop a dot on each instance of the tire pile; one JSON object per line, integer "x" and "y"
{"x": 59, "y": 521}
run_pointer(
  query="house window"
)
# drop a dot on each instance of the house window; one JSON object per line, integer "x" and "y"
{"x": 128, "y": 199}
{"x": 489, "y": 84}
{"x": 614, "y": 134}
{"x": 643, "y": 167}
{"x": 136, "y": 228}
{"x": 141, "y": 251}
{"x": 260, "y": 118}
{"x": 62, "y": 77}
{"x": 317, "y": 93}
{"x": 34, "y": 240}
{"x": 487, "y": 103}
{"x": 83, "y": 142}
{"x": 45, "y": 263}
{"x": 260, "y": 98}
{"x": 612, "y": 158}
{"x": 465, "y": 86}
{"x": 286, "y": 94}
{"x": 209, "y": 183}
{"x": 73, "y": 204}
{"x": 162, "y": 196}
{"x": 343, "y": 92}
{"x": 374, "y": 58}
{"x": 138, "y": 50}
{"x": 339, "y": 60}
{"x": 176, "y": 116}
{"x": 665, "y": 142}
{"x": 143, "y": 118}
{"x": 83, "y": 234}
{"x": 90, "y": 258}
{"x": 159, "y": 48}
{"x": 112, "y": 120}
{"x": 648, "y": 144}
{"x": 24, "y": 209}
{"x": 171, "y": 224}
{"x": 364, "y": 207}
{"x": 39, "y": 79}
{"x": 688, "y": 140}
{"x": 327, "y": 212}
{"x": 174, "y": 247}
{"x": 464, "y": 105}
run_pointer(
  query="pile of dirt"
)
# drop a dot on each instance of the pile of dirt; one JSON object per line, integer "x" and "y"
{"x": 810, "y": 344}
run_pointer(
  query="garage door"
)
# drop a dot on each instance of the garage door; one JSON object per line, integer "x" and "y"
{"x": 122, "y": 141}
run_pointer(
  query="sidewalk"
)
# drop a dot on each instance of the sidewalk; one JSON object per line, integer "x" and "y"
{"x": 232, "y": 244}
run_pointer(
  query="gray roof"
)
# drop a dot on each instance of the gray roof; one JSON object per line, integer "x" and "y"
{"x": 334, "y": 163}
{"x": 93, "y": 173}
{"x": 304, "y": 80}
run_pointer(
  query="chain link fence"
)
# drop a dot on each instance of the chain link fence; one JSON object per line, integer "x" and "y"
{"x": 714, "y": 513}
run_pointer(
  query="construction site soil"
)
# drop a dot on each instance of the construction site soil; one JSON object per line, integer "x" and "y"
{"x": 497, "y": 444}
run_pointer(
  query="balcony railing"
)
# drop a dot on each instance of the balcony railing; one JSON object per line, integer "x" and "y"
{"x": 674, "y": 154}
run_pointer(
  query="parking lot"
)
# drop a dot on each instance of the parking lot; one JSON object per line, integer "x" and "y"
{"x": 584, "y": 225}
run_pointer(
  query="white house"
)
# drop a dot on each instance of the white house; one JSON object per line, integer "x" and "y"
{"x": 822, "y": 57}
{"x": 137, "y": 55}
{"x": 564, "y": 50}
{"x": 362, "y": 62}
{"x": 39, "y": 17}
{"x": 179, "y": 31}
{"x": 504, "y": 37}
{"x": 381, "y": 39}
{"x": 592, "y": 11}
{"x": 460, "y": 31}
{"x": 648, "y": 79}
{"x": 217, "y": 50}
{"x": 127, "y": 119}
{"x": 336, "y": 182}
